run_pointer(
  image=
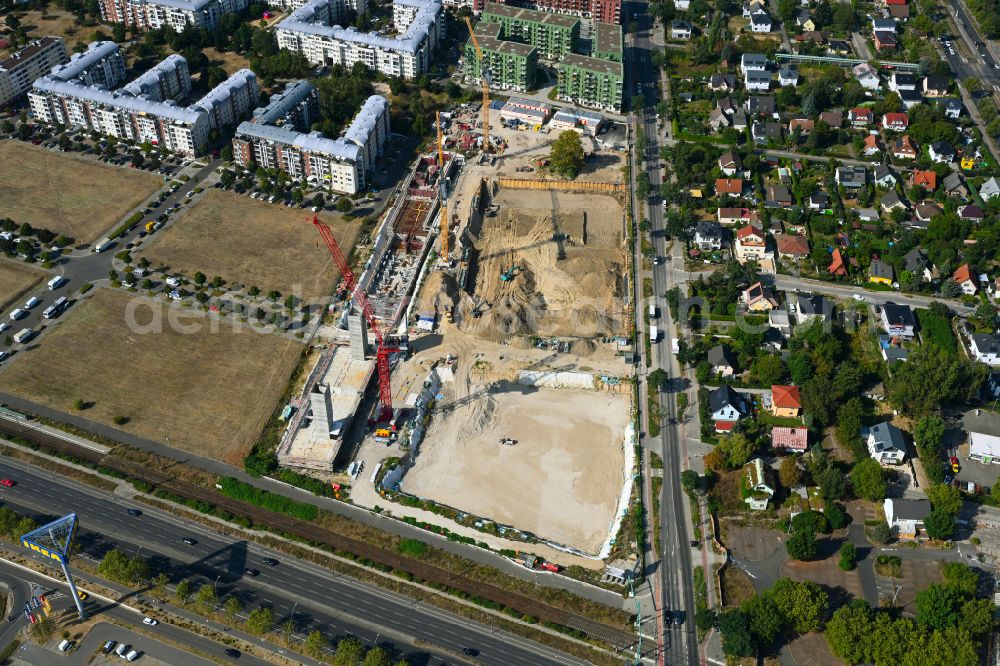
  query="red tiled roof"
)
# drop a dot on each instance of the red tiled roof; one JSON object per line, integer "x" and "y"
{"x": 786, "y": 397}
{"x": 790, "y": 244}
{"x": 927, "y": 179}
{"x": 749, "y": 230}
{"x": 963, "y": 274}
{"x": 897, "y": 119}
{"x": 729, "y": 186}
{"x": 837, "y": 265}
{"x": 724, "y": 426}
{"x": 861, "y": 112}
{"x": 796, "y": 439}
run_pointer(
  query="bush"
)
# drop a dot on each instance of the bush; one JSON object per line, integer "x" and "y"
{"x": 848, "y": 555}
{"x": 413, "y": 548}
{"x": 120, "y": 420}
{"x": 236, "y": 489}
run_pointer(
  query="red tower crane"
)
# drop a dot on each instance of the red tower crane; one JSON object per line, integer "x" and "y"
{"x": 382, "y": 355}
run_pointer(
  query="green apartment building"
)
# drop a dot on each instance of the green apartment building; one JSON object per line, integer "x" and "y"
{"x": 511, "y": 65}
{"x": 591, "y": 82}
{"x": 554, "y": 35}
{"x": 608, "y": 42}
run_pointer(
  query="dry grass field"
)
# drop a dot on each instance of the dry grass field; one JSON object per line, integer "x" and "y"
{"x": 229, "y": 61}
{"x": 67, "y": 194}
{"x": 205, "y": 392}
{"x": 252, "y": 243}
{"x": 16, "y": 280}
{"x": 59, "y": 23}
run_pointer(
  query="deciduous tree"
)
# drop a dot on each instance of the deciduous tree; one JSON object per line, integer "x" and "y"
{"x": 868, "y": 480}
{"x": 566, "y": 155}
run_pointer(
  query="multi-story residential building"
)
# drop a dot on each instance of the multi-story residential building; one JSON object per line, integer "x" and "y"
{"x": 603, "y": 11}
{"x": 554, "y": 35}
{"x": 20, "y": 69}
{"x": 100, "y": 65}
{"x": 310, "y": 30}
{"x": 167, "y": 80}
{"x": 176, "y": 14}
{"x": 591, "y": 82}
{"x": 512, "y": 65}
{"x": 341, "y": 165}
{"x": 607, "y": 42}
{"x": 142, "y": 111}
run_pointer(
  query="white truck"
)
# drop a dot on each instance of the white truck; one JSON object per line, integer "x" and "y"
{"x": 56, "y": 282}
{"x": 654, "y": 334}
{"x": 103, "y": 245}
{"x": 652, "y": 311}
{"x": 23, "y": 335}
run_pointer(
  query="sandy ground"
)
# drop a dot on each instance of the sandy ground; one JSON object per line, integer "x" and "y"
{"x": 68, "y": 194}
{"x": 205, "y": 392}
{"x": 571, "y": 288}
{"x": 560, "y": 481}
{"x": 16, "y": 280}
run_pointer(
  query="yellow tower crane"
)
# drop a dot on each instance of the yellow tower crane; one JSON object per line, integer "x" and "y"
{"x": 443, "y": 189}
{"x": 484, "y": 79}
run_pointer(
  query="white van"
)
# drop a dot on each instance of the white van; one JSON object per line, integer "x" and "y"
{"x": 121, "y": 649}
{"x": 65, "y": 645}
{"x": 132, "y": 656}
{"x": 32, "y": 302}
{"x": 56, "y": 282}
{"x": 23, "y": 335}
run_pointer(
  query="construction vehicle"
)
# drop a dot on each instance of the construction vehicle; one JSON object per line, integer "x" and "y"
{"x": 385, "y": 435}
{"x": 443, "y": 189}
{"x": 449, "y": 314}
{"x": 150, "y": 226}
{"x": 511, "y": 273}
{"x": 485, "y": 78}
{"x": 508, "y": 441}
{"x": 357, "y": 294}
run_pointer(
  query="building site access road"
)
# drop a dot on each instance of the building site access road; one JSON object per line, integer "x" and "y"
{"x": 338, "y": 604}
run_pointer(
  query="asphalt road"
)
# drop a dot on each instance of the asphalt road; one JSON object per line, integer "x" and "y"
{"x": 674, "y": 572}
{"x": 99, "y": 634}
{"x": 788, "y": 283}
{"x": 320, "y": 599}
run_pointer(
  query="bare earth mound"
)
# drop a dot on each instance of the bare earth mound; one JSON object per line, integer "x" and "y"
{"x": 560, "y": 481}
{"x": 65, "y": 193}
{"x": 253, "y": 243}
{"x": 563, "y": 253}
{"x": 205, "y": 392}
{"x": 16, "y": 280}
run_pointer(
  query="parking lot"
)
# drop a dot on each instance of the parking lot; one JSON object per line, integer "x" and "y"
{"x": 972, "y": 471}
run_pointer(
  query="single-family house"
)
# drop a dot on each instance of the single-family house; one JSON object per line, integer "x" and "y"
{"x": 954, "y": 186}
{"x": 818, "y": 201}
{"x": 860, "y": 116}
{"x": 731, "y": 187}
{"x": 758, "y": 490}
{"x": 868, "y": 215}
{"x": 778, "y": 195}
{"x": 760, "y": 105}
{"x": 757, "y": 81}
{"x": 726, "y": 407}
{"x": 951, "y": 107}
{"x": 804, "y": 125}
{"x": 721, "y": 358}
{"x": 942, "y": 152}
{"x": 708, "y": 236}
{"x": 985, "y": 347}
{"x": 752, "y": 6}
{"x": 728, "y": 105}
{"x": 881, "y": 24}
{"x": 903, "y": 148}
{"x": 839, "y": 47}
{"x": 785, "y": 401}
{"x": 899, "y": 12}
{"x": 837, "y": 265}
{"x": 880, "y": 272}
{"x": 741, "y": 216}
{"x": 910, "y": 98}
{"x": 717, "y": 119}
{"x": 867, "y": 76}
{"x": 720, "y": 82}
{"x": 759, "y": 298}
{"x": 791, "y": 246}
{"x": 680, "y": 29}
{"x": 803, "y": 20}
{"x": 851, "y": 177}
{"x": 753, "y": 61}
{"x": 971, "y": 212}
{"x": 886, "y": 443}
{"x": 788, "y": 75}
{"x": 902, "y": 81}
{"x": 813, "y": 36}
{"x": 740, "y": 120}
{"x": 966, "y": 279}
{"x": 898, "y": 122}
{"x": 990, "y": 189}
{"x": 764, "y": 132}
{"x": 906, "y": 517}
{"x": 833, "y": 118}
{"x": 761, "y": 22}
{"x": 884, "y": 177}
{"x": 925, "y": 211}
{"x": 884, "y": 41}
{"x": 892, "y": 351}
{"x": 891, "y": 201}
{"x": 897, "y": 320}
{"x": 935, "y": 86}
{"x": 780, "y": 320}
{"x": 682, "y": 5}
{"x": 870, "y": 145}
{"x": 813, "y": 307}
{"x": 730, "y": 163}
{"x": 917, "y": 264}
{"x": 984, "y": 448}
{"x": 925, "y": 179}
{"x": 790, "y": 440}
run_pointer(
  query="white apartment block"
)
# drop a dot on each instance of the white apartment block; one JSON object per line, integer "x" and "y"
{"x": 178, "y": 14}
{"x": 20, "y": 69}
{"x": 143, "y": 110}
{"x": 167, "y": 80}
{"x": 341, "y": 165}
{"x": 100, "y": 65}
{"x": 309, "y": 30}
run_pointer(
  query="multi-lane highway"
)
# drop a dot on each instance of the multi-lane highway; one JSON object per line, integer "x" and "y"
{"x": 673, "y": 574}
{"x": 319, "y": 598}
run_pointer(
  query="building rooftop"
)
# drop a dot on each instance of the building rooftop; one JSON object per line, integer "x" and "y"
{"x": 608, "y": 37}
{"x": 533, "y": 15}
{"x": 28, "y": 52}
{"x": 78, "y": 63}
{"x": 594, "y": 64}
{"x": 488, "y": 36}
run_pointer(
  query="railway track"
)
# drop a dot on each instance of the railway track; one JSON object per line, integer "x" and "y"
{"x": 614, "y": 636}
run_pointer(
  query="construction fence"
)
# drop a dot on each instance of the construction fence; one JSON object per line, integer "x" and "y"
{"x": 567, "y": 185}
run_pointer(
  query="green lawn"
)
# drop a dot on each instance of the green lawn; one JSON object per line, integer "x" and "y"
{"x": 937, "y": 329}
